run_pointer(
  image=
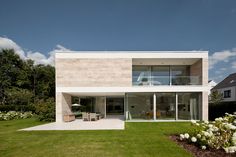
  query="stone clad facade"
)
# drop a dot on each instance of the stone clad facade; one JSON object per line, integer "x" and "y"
{"x": 93, "y": 72}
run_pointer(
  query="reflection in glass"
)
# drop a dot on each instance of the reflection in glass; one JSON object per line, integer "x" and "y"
{"x": 160, "y": 75}
{"x": 165, "y": 105}
{"x": 188, "y": 106}
{"x": 180, "y": 75}
{"x": 141, "y": 75}
{"x": 140, "y": 105}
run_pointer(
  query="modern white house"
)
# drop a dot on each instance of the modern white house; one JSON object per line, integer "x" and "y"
{"x": 139, "y": 85}
{"x": 227, "y": 88}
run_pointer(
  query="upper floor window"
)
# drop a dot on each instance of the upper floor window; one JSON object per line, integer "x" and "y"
{"x": 227, "y": 93}
{"x": 153, "y": 75}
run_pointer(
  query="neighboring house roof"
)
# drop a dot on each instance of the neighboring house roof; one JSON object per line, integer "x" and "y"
{"x": 227, "y": 82}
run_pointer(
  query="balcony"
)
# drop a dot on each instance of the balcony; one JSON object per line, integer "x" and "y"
{"x": 158, "y": 75}
{"x": 165, "y": 80}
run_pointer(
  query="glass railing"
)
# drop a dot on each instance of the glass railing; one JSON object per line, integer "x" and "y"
{"x": 165, "y": 80}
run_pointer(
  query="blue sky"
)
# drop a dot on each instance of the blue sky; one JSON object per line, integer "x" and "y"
{"x": 37, "y": 28}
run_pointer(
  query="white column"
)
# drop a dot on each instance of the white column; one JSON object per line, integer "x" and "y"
{"x": 204, "y": 105}
{"x": 176, "y": 106}
{"x": 170, "y": 76}
{"x": 105, "y": 103}
{"x": 154, "y": 106}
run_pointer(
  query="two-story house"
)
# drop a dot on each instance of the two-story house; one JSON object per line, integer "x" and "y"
{"x": 140, "y": 85}
{"x": 227, "y": 88}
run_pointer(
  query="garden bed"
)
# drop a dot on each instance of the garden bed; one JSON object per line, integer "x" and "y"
{"x": 197, "y": 152}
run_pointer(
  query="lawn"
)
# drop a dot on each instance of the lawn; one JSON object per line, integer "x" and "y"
{"x": 137, "y": 140}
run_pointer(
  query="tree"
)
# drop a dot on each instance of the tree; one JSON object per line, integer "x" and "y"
{"x": 215, "y": 97}
{"x": 18, "y": 96}
{"x": 10, "y": 69}
{"x": 21, "y": 79}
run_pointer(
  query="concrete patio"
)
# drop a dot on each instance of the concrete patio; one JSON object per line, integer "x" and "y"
{"x": 108, "y": 123}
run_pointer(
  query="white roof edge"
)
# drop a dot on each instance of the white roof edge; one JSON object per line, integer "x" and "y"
{"x": 131, "y": 54}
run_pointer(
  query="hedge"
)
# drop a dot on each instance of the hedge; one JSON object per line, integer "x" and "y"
{"x": 220, "y": 109}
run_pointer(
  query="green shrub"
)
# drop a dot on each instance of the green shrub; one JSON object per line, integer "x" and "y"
{"x": 21, "y": 108}
{"x": 45, "y": 110}
{"x": 15, "y": 115}
{"x": 218, "y": 134}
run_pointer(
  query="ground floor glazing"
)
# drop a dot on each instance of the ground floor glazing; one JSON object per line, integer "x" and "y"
{"x": 144, "y": 106}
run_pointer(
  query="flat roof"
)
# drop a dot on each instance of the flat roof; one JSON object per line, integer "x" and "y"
{"x": 132, "y": 54}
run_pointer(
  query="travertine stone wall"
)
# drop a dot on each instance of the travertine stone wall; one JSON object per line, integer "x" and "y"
{"x": 205, "y": 72}
{"x": 196, "y": 70}
{"x": 63, "y": 105}
{"x": 104, "y": 72}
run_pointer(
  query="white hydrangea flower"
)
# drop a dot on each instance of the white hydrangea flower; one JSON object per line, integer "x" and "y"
{"x": 231, "y": 149}
{"x": 193, "y": 121}
{"x": 199, "y": 136}
{"x": 181, "y": 136}
{"x": 215, "y": 128}
{"x": 225, "y": 118}
{"x": 194, "y": 139}
{"x": 203, "y": 147}
{"x": 206, "y": 134}
{"x": 230, "y": 126}
{"x": 234, "y": 139}
{"x": 210, "y": 126}
{"x": 206, "y": 122}
{"x": 186, "y": 135}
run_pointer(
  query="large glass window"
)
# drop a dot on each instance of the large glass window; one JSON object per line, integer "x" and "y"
{"x": 180, "y": 75}
{"x": 141, "y": 75}
{"x": 139, "y": 105}
{"x": 160, "y": 75}
{"x": 163, "y": 75}
{"x": 165, "y": 105}
{"x": 114, "y": 105}
{"x": 188, "y": 106}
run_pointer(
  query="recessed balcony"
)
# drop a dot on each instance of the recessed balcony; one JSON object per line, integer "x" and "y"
{"x": 160, "y": 75}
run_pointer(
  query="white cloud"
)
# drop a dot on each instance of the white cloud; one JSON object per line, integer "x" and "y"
{"x": 6, "y": 43}
{"x": 222, "y": 56}
{"x": 37, "y": 57}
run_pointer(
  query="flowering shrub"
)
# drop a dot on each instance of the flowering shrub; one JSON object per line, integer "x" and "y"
{"x": 218, "y": 134}
{"x": 15, "y": 115}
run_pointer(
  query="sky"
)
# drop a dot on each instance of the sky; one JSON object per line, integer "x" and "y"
{"x": 37, "y": 29}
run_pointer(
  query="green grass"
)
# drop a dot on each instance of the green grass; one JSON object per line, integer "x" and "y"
{"x": 137, "y": 140}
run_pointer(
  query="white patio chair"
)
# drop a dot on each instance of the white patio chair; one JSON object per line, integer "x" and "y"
{"x": 93, "y": 116}
{"x": 85, "y": 116}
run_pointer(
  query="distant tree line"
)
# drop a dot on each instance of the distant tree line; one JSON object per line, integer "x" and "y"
{"x": 22, "y": 82}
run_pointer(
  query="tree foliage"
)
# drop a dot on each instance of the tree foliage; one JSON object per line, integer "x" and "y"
{"x": 22, "y": 82}
{"x": 215, "y": 97}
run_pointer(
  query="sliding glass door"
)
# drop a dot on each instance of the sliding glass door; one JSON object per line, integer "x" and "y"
{"x": 188, "y": 106}
{"x": 165, "y": 106}
{"x": 139, "y": 106}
